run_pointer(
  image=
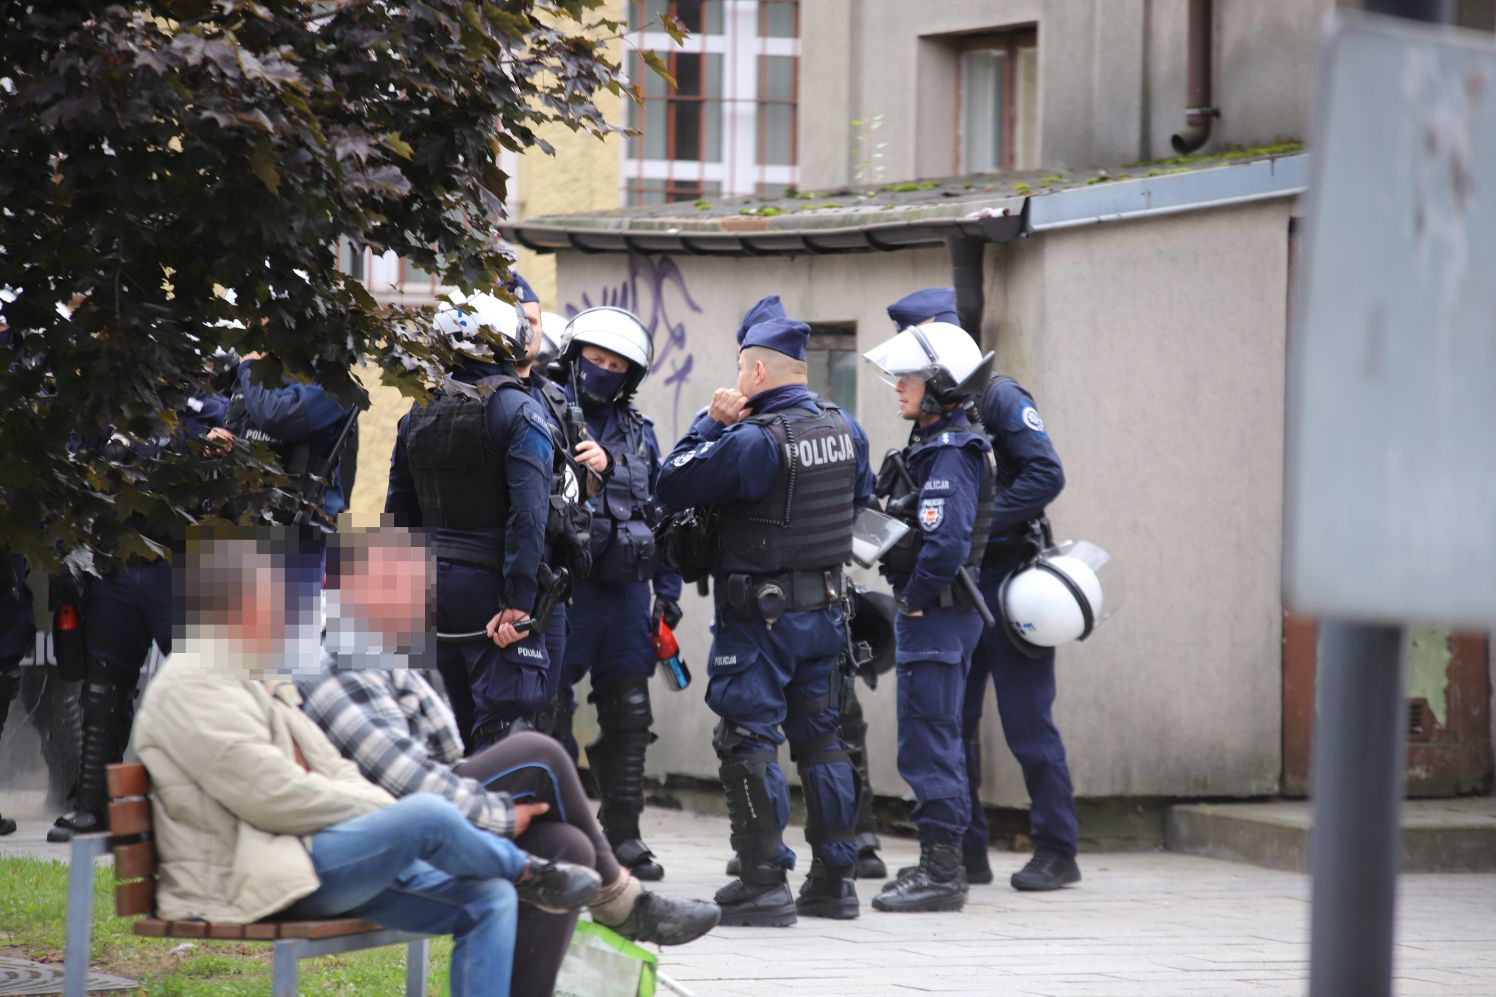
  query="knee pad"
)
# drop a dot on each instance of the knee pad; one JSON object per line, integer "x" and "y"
{"x": 823, "y": 751}
{"x": 750, "y": 808}
{"x": 624, "y": 706}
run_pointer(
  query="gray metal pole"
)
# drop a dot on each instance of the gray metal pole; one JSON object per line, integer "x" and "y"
{"x": 1360, "y": 744}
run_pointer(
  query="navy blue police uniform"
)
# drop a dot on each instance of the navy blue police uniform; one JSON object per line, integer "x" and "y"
{"x": 611, "y": 637}
{"x": 1029, "y": 478}
{"x": 951, "y": 464}
{"x": 782, "y": 485}
{"x": 301, "y": 423}
{"x": 476, "y": 475}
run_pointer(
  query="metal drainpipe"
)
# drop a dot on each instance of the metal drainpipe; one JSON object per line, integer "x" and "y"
{"x": 1199, "y": 114}
{"x": 966, "y": 277}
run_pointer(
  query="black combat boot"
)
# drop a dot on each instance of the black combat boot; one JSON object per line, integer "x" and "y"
{"x": 758, "y": 898}
{"x": 1047, "y": 870}
{"x": 617, "y": 762}
{"x": 978, "y": 869}
{"x": 938, "y": 883}
{"x": 101, "y": 701}
{"x": 828, "y": 891}
{"x": 854, "y": 735}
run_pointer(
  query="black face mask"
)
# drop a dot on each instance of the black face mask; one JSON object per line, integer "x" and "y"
{"x": 599, "y": 385}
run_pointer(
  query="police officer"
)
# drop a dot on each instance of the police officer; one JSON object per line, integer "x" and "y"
{"x": 473, "y": 467}
{"x": 304, "y": 425}
{"x": 780, "y": 473}
{"x": 577, "y": 473}
{"x": 609, "y": 351}
{"x": 943, "y": 484}
{"x": 125, "y": 611}
{"x": 1029, "y": 477}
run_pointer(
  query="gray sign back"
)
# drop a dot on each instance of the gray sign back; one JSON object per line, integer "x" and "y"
{"x": 1391, "y": 469}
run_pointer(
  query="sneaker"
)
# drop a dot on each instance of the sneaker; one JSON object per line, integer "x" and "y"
{"x": 635, "y": 856}
{"x": 1047, "y": 870}
{"x": 557, "y": 887}
{"x": 826, "y": 895}
{"x": 765, "y": 905}
{"x": 76, "y": 822}
{"x": 664, "y": 921}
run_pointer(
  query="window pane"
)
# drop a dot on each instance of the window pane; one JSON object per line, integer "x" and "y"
{"x": 777, "y": 18}
{"x": 776, "y": 77}
{"x": 778, "y": 135}
{"x": 655, "y": 130}
{"x": 831, "y": 363}
{"x": 700, "y": 16}
{"x": 981, "y": 111}
{"x": 1026, "y": 101}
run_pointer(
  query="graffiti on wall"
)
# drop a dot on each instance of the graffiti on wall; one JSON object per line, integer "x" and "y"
{"x": 655, "y": 290}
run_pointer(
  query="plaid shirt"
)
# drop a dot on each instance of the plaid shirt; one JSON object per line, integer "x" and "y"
{"x": 403, "y": 737}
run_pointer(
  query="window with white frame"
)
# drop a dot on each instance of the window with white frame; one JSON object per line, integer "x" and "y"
{"x": 728, "y": 127}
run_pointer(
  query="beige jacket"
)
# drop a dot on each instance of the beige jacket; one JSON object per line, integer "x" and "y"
{"x": 232, "y": 809}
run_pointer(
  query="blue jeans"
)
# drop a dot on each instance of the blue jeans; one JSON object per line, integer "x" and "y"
{"x": 420, "y": 866}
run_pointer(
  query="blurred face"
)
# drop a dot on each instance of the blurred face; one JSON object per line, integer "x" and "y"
{"x": 386, "y": 591}
{"x": 606, "y": 359}
{"x": 911, "y": 391}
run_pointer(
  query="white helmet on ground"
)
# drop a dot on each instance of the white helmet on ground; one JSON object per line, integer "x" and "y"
{"x": 1060, "y": 596}
{"x": 462, "y": 318}
{"x": 943, "y": 355}
{"x": 616, "y": 330}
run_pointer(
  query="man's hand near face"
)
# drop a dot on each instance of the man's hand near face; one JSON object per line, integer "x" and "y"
{"x": 728, "y": 406}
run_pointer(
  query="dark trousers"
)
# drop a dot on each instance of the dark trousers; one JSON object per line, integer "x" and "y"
{"x": 1025, "y": 699}
{"x": 533, "y": 768}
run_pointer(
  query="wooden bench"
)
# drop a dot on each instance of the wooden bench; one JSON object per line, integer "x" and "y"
{"x": 129, "y": 838}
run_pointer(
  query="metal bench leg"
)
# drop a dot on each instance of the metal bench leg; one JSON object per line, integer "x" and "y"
{"x": 415, "y": 967}
{"x": 79, "y": 942}
{"x": 287, "y": 957}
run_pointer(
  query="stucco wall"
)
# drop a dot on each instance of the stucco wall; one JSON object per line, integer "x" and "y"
{"x": 1111, "y": 78}
{"x": 1156, "y": 353}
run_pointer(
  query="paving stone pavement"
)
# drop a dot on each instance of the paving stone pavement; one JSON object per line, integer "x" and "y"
{"x": 1138, "y": 925}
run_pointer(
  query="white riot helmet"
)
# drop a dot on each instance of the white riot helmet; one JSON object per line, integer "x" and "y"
{"x": 1064, "y": 594}
{"x": 462, "y": 318}
{"x": 948, "y": 360}
{"x": 617, "y": 331}
{"x": 552, "y": 331}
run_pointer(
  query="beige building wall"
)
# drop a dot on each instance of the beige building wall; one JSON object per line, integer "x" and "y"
{"x": 582, "y": 176}
{"x": 1156, "y": 352}
{"x": 1111, "y": 79}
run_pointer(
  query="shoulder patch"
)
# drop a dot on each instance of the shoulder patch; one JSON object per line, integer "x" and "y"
{"x": 931, "y": 514}
{"x": 681, "y": 460}
{"x": 1031, "y": 419}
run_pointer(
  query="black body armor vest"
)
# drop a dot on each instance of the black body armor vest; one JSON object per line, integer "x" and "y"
{"x": 457, "y": 469}
{"x": 901, "y": 558}
{"x": 804, "y": 523}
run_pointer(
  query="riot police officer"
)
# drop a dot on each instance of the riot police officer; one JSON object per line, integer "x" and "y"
{"x": 608, "y": 352}
{"x": 777, "y": 474}
{"x": 942, "y": 483}
{"x": 473, "y": 467}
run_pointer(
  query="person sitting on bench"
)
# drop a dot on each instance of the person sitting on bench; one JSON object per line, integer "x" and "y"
{"x": 385, "y": 717}
{"x": 256, "y": 814}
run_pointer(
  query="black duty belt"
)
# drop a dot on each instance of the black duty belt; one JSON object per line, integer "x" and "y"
{"x": 475, "y": 553}
{"x": 768, "y": 597}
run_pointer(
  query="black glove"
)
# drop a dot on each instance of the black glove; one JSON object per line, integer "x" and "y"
{"x": 667, "y": 609}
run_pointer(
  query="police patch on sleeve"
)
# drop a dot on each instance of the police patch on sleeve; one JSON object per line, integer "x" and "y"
{"x": 1031, "y": 419}
{"x": 931, "y": 513}
{"x": 684, "y": 459}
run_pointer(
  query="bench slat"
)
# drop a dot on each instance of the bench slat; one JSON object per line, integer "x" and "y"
{"x": 127, "y": 779}
{"x": 131, "y": 899}
{"x": 262, "y": 931}
{"x": 129, "y": 817}
{"x": 218, "y": 929}
{"x": 188, "y": 929}
{"x": 134, "y": 861}
{"x": 327, "y": 929}
{"x": 151, "y": 927}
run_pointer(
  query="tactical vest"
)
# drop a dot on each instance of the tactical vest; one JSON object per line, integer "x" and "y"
{"x": 568, "y": 522}
{"x": 902, "y": 557}
{"x": 1006, "y": 472}
{"x": 623, "y": 543}
{"x": 457, "y": 468}
{"x": 804, "y": 523}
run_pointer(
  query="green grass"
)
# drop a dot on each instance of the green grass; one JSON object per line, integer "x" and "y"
{"x": 33, "y": 906}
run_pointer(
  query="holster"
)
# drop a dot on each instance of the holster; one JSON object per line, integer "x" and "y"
{"x": 768, "y": 597}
